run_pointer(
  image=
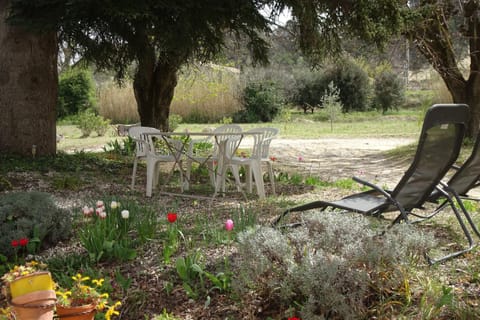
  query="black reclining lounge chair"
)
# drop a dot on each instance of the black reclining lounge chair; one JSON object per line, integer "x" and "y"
{"x": 438, "y": 147}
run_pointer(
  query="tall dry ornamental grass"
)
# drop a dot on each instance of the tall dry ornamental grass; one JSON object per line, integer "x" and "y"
{"x": 204, "y": 94}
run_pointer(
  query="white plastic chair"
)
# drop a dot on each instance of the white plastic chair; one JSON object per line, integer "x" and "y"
{"x": 139, "y": 135}
{"x": 268, "y": 135}
{"x": 252, "y": 163}
{"x": 260, "y": 150}
{"x": 172, "y": 151}
{"x": 213, "y": 158}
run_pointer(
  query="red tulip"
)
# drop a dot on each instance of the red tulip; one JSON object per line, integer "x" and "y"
{"x": 23, "y": 242}
{"x": 15, "y": 243}
{"x": 294, "y": 318}
{"x": 171, "y": 217}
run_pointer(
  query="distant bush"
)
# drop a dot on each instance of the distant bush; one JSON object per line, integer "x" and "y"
{"x": 389, "y": 91}
{"x": 353, "y": 84}
{"x": 76, "y": 92}
{"x": 89, "y": 122}
{"x": 262, "y": 101}
{"x": 174, "y": 120}
{"x": 349, "y": 78}
{"x": 34, "y": 216}
{"x": 309, "y": 90}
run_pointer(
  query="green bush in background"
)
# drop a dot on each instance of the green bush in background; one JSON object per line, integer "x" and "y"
{"x": 89, "y": 122}
{"x": 389, "y": 91}
{"x": 262, "y": 101}
{"x": 348, "y": 77}
{"x": 352, "y": 82}
{"x": 76, "y": 92}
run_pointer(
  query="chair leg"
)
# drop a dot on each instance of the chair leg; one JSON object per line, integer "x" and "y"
{"x": 257, "y": 175}
{"x": 271, "y": 176}
{"x": 134, "y": 172}
{"x": 150, "y": 177}
{"x": 236, "y": 175}
{"x": 188, "y": 172}
{"x": 248, "y": 170}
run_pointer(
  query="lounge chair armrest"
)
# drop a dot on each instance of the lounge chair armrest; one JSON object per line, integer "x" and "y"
{"x": 373, "y": 186}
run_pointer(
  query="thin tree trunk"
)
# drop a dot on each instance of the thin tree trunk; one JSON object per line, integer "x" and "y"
{"x": 28, "y": 89}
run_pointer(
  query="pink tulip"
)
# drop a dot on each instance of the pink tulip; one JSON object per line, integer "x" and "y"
{"x": 229, "y": 225}
{"x": 102, "y": 215}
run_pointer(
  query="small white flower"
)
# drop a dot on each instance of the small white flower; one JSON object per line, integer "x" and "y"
{"x": 125, "y": 214}
{"x": 114, "y": 205}
{"x": 100, "y": 203}
{"x": 102, "y": 214}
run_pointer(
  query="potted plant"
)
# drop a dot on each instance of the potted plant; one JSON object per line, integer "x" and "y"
{"x": 83, "y": 299}
{"x": 29, "y": 290}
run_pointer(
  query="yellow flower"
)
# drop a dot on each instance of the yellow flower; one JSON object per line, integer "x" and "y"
{"x": 98, "y": 282}
{"x": 64, "y": 295}
{"x": 111, "y": 311}
{"x": 79, "y": 278}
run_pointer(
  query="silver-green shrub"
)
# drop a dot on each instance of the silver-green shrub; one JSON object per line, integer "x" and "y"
{"x": 334, "y": 265}
{"x": 32, "y": 215}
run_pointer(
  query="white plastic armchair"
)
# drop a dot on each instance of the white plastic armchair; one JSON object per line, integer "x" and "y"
{"x": 139, "y": 135}
{"x": 251, "y": 163}
{"x": 171, "y": 151}
{"x": 268, "y": 135}
{"x": 210, "y": 160}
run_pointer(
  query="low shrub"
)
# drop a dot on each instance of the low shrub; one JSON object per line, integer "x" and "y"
{"x": 335, "y": 265}
{"x": 89, "y": 122}
{"x": 33, "y": 216}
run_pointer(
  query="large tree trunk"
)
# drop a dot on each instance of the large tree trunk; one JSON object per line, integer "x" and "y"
{"x": 28, "y": 89}
{"x": 154, "y": 85}
{"x": 434, "y": 40}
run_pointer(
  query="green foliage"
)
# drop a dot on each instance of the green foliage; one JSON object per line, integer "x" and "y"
{"x": 174, "y": 120}
{"x": 108, "y": 235}
{"x": 262, "y": 102}
{"x": 164, "y": 316}
{"x": 4, "y": 184}
{"x": 348, "y": 77}
{"x": 126, "y": 147}
{"x": 31, "y": 215}
{"x": 89, "y": 122}
{"x": 352, "y": 82}
{"x": 389, "y": 91}
{"x": 76, "y": 92}
{"x": 329, "y": 264}
{"x": 331, "y": 103}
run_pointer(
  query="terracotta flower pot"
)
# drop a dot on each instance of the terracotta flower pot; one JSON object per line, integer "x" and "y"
{"x": 38, "y": 281}
{"x": 85, "y": 312}
{"x": 37, "y": 305}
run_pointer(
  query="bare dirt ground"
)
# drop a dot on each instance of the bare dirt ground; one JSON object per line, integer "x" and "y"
{"x": 336, "y": 158}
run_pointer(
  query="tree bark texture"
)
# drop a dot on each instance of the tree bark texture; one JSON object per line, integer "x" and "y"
{"x": 154, "y": 86}
{"x": 28, "y": 89}
{"x": 434, "y": 41}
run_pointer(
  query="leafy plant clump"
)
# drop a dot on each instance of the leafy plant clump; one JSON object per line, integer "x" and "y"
{"x": 262, "y": 102}
{"x": 33, "y": 216}
{"x": 334, "y": 266}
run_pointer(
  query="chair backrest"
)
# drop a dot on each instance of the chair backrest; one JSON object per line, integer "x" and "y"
{"x": 231, "y": 141}
{"x": 468, "y": 174}
{"x": 261, "y": 141}
{"x": 438, "y": 147}
{"x": 140, "y": 135}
